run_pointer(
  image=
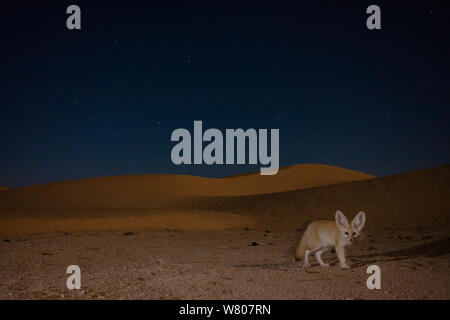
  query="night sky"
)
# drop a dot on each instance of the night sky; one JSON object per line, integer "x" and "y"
{"x": 104, "y": 100}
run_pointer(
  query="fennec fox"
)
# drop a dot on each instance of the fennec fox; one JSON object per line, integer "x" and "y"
{"x": 323, "y": 234}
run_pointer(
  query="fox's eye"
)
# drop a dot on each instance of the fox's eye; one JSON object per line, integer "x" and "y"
{"x": 346, "y": 233}
{"x": 354, "y": 234}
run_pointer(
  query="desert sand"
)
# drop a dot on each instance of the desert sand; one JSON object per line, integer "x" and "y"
{"x": 151, "y": 201}
{"x": 185, "y": 237}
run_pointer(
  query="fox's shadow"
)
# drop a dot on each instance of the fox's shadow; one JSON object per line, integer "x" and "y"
{"x": 429, "y": 250}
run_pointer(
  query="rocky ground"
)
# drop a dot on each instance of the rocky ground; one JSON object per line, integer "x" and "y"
{"x": 228, "y": 264}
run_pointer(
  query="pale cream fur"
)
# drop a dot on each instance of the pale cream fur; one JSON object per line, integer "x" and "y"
{"x": 323, "y": 234}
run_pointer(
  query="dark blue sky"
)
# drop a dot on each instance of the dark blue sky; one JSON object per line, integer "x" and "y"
{"x": 104, "y": 100}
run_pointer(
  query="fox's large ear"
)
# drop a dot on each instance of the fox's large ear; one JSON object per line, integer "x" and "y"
{"x": 359, "y": 221}
{"x": 341, "y": 220}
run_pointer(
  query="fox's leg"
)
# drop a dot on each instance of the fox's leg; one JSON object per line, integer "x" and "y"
{"x": 318, "y": 254}
{"x": 340, "y": 251}
{"x": 306, "y": 263}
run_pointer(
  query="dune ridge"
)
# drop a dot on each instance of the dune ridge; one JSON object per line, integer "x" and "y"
{"x": 416, "y": 199}
{"x": 290, "y": 200}
{"x": 163, "y": 191}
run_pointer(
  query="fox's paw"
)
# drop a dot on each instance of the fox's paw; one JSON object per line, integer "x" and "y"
{"x": 325, "y": 265}
{"x": 345, "y": 266}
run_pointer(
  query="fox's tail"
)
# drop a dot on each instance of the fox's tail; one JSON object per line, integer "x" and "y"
{"x": 300, "y": 252}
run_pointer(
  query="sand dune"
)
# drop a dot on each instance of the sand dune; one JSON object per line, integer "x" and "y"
{"x": 420, "y": 198}
{"x": 187, "y": 220}
{"x": 164, "y": 191}
{"x": 287, "y": 201}
{"x": 150, "y": 201}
